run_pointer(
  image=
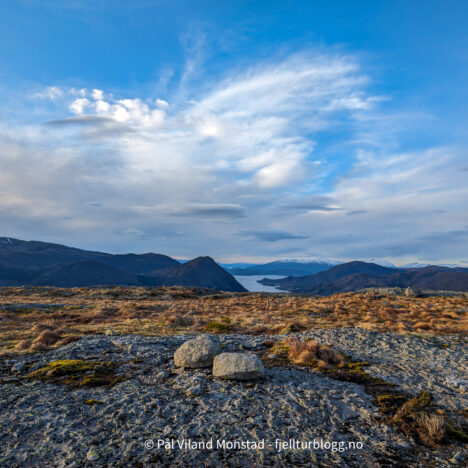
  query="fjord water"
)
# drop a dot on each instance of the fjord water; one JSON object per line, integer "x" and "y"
{"x": 250, "y": 283}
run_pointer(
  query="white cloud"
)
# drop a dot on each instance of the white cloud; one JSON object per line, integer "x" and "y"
{"x": 78, "y": 106}
{"x": 162, "y": 103}
{"x": 133, "y": 232}
{"x": 97, "y": 95}
{"x": 51, "y": 93}
{"x": 230, "y": 157}
{"x": 102, "y": 107}
{"x": 353, "y": 102}
{"x": 256, "y": 123}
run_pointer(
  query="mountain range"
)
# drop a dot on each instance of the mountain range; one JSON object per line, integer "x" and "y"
{"x": 357, "y": 275}
{"x": 37, "y": 263}
{"x": 46, "y": 264}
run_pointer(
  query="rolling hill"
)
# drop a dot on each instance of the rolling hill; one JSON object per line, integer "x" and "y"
{"x": 356, "y": 275}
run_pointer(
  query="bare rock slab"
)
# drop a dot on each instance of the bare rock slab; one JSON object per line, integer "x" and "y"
{"x": 198, "y": 352}
{"x": 238, "y": 366}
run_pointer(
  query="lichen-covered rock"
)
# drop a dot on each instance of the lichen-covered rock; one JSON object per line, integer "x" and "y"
{"x": 238, "y": 366}
{"x": 92, "y": 455}
{"x": 19, "y": 367}
{"x": 198, "y": 352}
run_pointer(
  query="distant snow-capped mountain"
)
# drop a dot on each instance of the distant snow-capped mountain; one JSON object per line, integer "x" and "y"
{"x": 321, "y": 260}
{"x": 415, "y": 265}
{"x": 423, "y": 265}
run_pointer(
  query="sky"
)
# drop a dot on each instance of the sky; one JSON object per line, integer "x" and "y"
{"x": 247, "y": 131}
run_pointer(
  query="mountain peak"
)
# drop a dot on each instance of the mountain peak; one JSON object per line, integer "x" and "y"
{"x": 5, "y": 241}
{"x": 201, "y": 271}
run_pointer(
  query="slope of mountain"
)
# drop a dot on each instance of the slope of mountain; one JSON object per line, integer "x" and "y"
{"x": 40, "y": 263}
{"x": 332, "y": 274}
{"x": 202, "y": 272}
{"x": 85, "y": 273}
{"x": 15, "y": 253}
{"x": 16, "y": 276}
{"x": 282, "y": 268}
{"x": 381, "y": 262}
{"x": 139, "y": 263}
{"x": 359, "y": 275}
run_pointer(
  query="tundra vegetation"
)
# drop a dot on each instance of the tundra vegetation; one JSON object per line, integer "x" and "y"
{"x": 37, "y": 318}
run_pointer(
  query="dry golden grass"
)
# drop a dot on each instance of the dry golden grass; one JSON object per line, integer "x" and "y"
{"x": 47, "y": 338}
{"x": 312, "y": 353}
{"x": 35, "y": 318}
{"x": 433, "y": 425}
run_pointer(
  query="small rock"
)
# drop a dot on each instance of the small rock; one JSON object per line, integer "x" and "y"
{"x": 92, "y": 455}
{"x": 196, "y": 390}
{"x": 110, "y": 332}
{"x": 198, "y": 352}
{"x": 11, "y": 379}
{"x": 238, "y": 366}
{"x": 461, "y": 385}
{"x": 19, "y": 367}
{"x": 457, "y": 458}
{"x": 162, "y": 375}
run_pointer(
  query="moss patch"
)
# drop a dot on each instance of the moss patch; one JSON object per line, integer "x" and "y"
{"x": 460, "y": 433}
{"x": 389, "y": 403}
{"x": 77, "y": 373}
{"x": 217, "y": 327}
{"x": 92, "y": 402}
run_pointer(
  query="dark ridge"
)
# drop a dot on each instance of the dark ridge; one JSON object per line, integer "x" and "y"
{"x": 15, "y": 253}
{"x": 353, "y": 276}
{"x": 333, "y": 274}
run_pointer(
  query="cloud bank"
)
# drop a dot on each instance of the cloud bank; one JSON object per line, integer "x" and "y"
{"x": 291, "y": 156}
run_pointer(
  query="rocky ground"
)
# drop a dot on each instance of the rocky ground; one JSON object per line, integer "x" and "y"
{"x": 52, "y": 425}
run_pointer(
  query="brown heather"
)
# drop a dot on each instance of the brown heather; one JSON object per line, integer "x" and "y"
{"x": 311, "y": 352}
{"x": 37, "y": 318}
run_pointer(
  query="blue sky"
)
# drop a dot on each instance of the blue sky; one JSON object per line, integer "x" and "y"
{"x": 242, "y": 130}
